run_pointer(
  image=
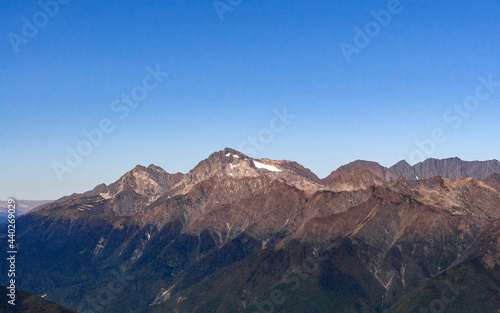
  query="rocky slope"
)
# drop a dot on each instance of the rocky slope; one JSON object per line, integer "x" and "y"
{"x": 470, "y": 284}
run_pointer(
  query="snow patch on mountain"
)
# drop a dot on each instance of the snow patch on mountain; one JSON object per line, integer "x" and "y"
{"x": 270, "y": 168}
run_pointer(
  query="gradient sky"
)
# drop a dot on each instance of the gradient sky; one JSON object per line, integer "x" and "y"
{"x": 227, "y": 77}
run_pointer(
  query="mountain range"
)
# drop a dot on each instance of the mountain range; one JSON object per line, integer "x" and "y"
{"x": 238, "y": 234}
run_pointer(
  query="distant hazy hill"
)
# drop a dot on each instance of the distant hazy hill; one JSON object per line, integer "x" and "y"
{"x": 22, "y": 206}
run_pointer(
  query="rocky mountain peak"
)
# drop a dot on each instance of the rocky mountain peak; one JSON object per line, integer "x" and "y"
{"x": 356, "y": 179}
{"x": 373, "y": 167}
{"x": 403, "y": 169}
{"x": 232, "y": 164}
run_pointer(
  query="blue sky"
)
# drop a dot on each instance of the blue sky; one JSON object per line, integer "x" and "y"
{"x": 227, "y": 78}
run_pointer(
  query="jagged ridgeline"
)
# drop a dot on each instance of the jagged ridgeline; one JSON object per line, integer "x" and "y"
{"x": 237, "y": 234}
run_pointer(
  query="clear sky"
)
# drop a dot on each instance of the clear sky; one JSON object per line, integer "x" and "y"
{"x": 359, "y": 83}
